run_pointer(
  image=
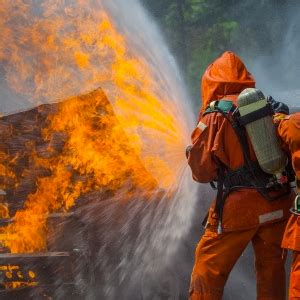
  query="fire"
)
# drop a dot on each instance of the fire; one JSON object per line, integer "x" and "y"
{"x": 96, "y": 154}
{"x": 12, "y": 273}
{"x": 50, "y": 51}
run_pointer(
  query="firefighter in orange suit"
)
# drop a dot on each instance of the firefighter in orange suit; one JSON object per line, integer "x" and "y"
{"x": 289, "y": 132}
{"x": 244, "y": 214}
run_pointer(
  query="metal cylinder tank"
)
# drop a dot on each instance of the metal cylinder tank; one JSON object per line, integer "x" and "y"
{"x": 262, "y": 132}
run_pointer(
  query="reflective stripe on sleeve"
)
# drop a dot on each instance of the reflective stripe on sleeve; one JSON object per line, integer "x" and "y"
{"x": 201, "y": 126}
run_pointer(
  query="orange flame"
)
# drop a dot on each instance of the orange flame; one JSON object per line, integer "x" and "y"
{"x": 48, "y": 54}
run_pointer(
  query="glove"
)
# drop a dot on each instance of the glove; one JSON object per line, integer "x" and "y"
{"x": 187, "y": 151}
{"x": 278, "y": 117}
{"x": 277, "y": 106}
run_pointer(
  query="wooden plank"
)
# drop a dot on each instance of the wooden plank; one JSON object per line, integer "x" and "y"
{"x": 33, "y": 255}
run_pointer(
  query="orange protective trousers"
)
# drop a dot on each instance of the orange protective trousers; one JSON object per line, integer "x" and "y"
{"x": 294, "y": 290}
{"x": 217, "y": 254}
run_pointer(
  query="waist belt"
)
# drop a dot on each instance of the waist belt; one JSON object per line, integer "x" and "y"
{"x": 255, "y": 178}
{"x": 243, "y": 177}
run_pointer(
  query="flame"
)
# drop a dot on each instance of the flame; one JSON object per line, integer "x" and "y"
{"x": 51, "y": 51}
{"x": 12, "y": 273}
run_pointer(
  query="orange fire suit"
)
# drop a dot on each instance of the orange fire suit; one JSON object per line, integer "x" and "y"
{"x": 247, "y": 216}
{"x": 289, "y": 131}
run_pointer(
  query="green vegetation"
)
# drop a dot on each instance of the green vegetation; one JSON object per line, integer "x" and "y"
{"x": 197, "y": 31}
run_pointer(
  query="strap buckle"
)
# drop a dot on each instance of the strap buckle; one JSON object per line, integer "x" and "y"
{"x": 213, "y": 104}
{"x": 296, "y": 205}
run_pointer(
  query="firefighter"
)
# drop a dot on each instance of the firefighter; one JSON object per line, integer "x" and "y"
{"x": 244, "y": 214}
{"x": 289, "y": 132}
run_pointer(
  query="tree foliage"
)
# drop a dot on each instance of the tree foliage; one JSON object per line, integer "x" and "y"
{"x": 199, "y": 30}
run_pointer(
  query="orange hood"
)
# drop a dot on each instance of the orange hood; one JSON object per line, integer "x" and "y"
{"x": 226, "y": 76}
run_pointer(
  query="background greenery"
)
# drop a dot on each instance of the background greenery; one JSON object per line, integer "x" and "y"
{"x": 197, "y": 31}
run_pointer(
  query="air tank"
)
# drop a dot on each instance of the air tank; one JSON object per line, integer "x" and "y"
{"x": 262, "y": 133}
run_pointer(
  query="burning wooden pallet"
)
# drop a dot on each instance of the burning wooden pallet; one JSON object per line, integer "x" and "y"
{"x": 36, "y": 147}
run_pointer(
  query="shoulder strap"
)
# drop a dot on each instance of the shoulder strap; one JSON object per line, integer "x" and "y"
{"x": 225, "y": 106}
{"x": 227, "y": 109}
{"x": 257, "y": 114}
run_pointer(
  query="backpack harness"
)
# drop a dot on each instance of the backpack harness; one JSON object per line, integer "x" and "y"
{"x": 250, "y": 175}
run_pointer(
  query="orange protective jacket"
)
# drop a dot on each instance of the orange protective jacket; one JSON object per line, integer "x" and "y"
{"x": 214, "y": 138}
{"x": 289, "y": 132}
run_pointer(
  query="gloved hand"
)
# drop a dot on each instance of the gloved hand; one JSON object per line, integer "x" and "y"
{"x": 187, "y": 151}
{"x": 277, "y": 106}
{"x": 278, "y": 117}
